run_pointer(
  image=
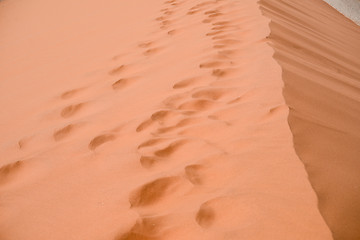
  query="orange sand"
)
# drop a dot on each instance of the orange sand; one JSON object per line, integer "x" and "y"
{"x": 147, "y": 120}
{"x": 321, "y": 70}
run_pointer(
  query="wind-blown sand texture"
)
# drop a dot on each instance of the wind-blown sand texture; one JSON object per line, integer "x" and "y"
{"x": 152, "y": 120}
{"x": 321, "y": 70}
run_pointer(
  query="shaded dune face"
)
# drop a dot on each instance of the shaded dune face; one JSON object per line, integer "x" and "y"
{"x": 321, "y": 71}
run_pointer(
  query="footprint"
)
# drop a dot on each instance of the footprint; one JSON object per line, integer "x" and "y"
{"x": 172, "y": 101}
{"x": 227, "y": 42}
{"x": 171, "y": 149}
{"x": 162, "y": 115}
{"x": 151, "y": 142}
{"x": 214, "y": 15}
{"x": 121, "y": 83}
{"x": 172, "y": 32}
{"x": 205, "y": 216}
{"x": 236, "y": 100}
{"x": 71, "y": 110}
{"x": 276, "y": 110}
{"x": 153, "y": 192}
{"x": 226, "y": 53}
{"x": 117, "y": 70}
{"x": 186, "y": 83}
{"x": 220, "y": 37}
{"x": 211, "y": 94}
{"x": 151, "y": 51}
{"x": 197, "y": 105}
{"x": 219, "y": 46}
{"x": 70, "y": 94}
{"x": 192, "y": 174}
{"x": 180, "y": 124}
{"x": 221, "y": 27}
{"x": 23, "y": 142}
{"x": 168, "y": 12}
{"x": 10, "y": 169}
{"x": 221, "y": 72}
{"x": 160, "y": 18}
{"x": 147, "y": 228}
{"x": 192, "y": 12}
{"x": 227, "y": 212}
{"x": 148, "y": 161}
{"x": 211, "y": 64}
{"x": 211, "y": 12}
{"x": 208, "y": 20}
{"x": 145, "y": 44}
{"x": 166, "y": 22}
{"x": 221, "y": 23}
{"x": 64, "y": 132}
{"x": 144, "y": 125}
{"x": 214, "y": 33}
{"x": 101, "y": 139}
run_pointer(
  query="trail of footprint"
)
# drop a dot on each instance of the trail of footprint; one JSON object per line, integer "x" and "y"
{"x": 152, "y": 192}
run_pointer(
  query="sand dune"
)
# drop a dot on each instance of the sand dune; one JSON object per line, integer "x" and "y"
{"x": 165, "y": 120}
{"x": 321, "y": 70}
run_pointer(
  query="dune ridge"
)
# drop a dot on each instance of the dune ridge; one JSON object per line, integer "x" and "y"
{"x": 321, "y": 71}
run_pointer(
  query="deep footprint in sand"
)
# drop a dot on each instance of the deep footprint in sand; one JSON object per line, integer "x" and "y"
{"x": 100, "y": 140}
{"x": 146, "y": 228}
{"x": 9, "y": 170}
{"x": 71, "y": 110}
{"x": 153, "y": 191}
{"x": 64, "y": 132}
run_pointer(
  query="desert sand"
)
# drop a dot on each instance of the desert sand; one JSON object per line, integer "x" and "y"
{"x": 179, "y": 119}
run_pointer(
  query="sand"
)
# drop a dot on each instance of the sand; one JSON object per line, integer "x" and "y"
{"x": 321, "y": 70}
{"x": 151, "y": 120}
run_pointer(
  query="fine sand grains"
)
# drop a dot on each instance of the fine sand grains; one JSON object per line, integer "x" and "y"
{"x": 163, "y": 120}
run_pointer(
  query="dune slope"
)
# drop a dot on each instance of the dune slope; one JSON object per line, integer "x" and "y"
{"x": 318, "y": 50}
{"x": 146, "y": 120}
